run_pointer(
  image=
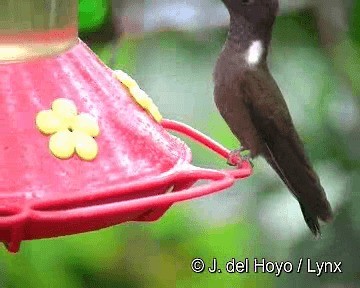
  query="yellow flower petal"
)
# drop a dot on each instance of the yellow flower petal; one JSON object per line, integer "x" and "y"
{"x": 125, "y": 79}
{"x": 62, "y": 144}
{"x": 86, "y": 123}
{"x": 85, "y": 146}
{"x": 65, "y": 108}
{"x": 48, "y": 122}
{"x": 141, "y": 97}
{"x": 154, "y": 111}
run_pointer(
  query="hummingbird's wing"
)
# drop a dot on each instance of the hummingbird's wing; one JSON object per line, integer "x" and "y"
{"x": 284, "y": 150}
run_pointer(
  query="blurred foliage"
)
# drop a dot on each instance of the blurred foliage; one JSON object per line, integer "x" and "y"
{"x": 92, "y": 14}
{"x": 354, "y": 23}
{"x": 256, "y": 218}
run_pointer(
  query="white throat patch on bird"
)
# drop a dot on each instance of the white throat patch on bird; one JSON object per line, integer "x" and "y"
{"x": 254, "y": 53}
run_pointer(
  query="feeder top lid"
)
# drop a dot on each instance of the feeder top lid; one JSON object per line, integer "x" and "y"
{"x": 131, "y": 145}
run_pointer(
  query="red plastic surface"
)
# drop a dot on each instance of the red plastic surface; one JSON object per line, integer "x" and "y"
{"x": 42, "y": 196}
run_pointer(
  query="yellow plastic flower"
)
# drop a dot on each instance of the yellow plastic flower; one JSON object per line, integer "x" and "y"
{"x": 138, "y": 94}
{"x": 70, "y": 132}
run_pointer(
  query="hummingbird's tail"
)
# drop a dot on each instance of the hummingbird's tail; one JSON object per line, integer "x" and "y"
{"x": 300, "y": 178}
{"x": 311, "y": 220}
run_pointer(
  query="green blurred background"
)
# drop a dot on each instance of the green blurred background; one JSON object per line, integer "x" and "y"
{"x": 316, "y": 62}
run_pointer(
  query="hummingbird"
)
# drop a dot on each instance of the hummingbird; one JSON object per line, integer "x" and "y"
{"x": 252, "y": 105}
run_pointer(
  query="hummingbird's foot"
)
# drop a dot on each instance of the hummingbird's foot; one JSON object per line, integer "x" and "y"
{"x": 237, "y": 156}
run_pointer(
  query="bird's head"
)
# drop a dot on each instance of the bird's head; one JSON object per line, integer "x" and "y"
{"x": 256, "y": 12}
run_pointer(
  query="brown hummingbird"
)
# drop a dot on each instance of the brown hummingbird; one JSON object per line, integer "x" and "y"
{"x": 253, "y": 106}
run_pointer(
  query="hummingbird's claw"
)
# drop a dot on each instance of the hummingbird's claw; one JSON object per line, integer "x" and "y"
{"x": 237, "y": 156}
{"x": 248, "y": 159}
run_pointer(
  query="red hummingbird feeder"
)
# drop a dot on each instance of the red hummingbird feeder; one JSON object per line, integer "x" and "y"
{"x": 138, "y": 169}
